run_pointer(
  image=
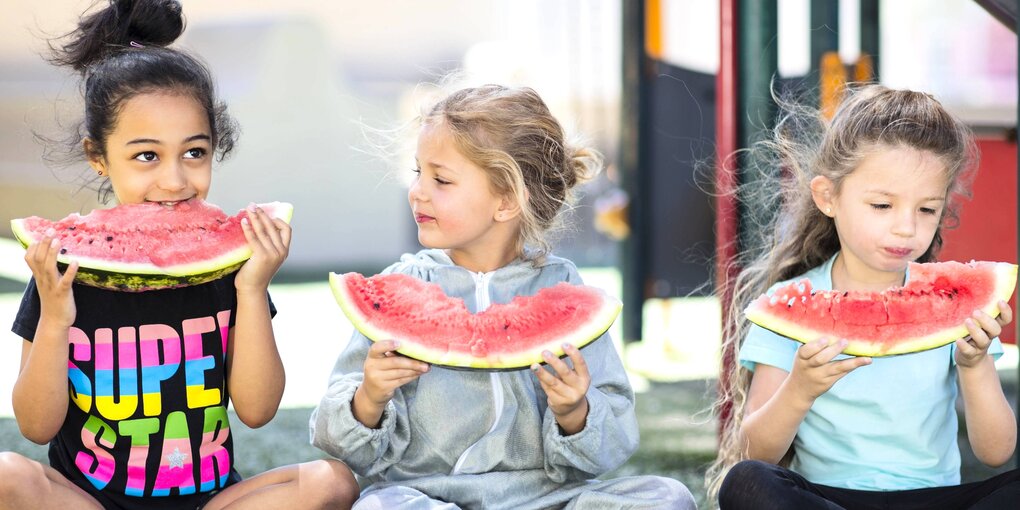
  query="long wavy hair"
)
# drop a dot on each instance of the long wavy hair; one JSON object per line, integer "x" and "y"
{"x": 789, "y": 235}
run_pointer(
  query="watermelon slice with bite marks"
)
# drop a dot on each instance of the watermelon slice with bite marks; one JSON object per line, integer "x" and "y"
{"x": 926, "y": 313}
{"x": 148, "y": 246}
{"x": 438, "y": 329}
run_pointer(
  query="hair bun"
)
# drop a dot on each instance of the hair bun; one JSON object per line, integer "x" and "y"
{"x": 116, "y": 26}
{"x": 153, "y": 22}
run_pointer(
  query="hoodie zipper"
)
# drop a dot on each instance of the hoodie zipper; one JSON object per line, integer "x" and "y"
{"x": 482, "y": 302}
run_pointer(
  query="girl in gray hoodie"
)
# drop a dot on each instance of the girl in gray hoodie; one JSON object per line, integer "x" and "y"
{"x": 493, "y": 173}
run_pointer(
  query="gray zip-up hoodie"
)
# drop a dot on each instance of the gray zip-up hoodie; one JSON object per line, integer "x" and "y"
{"x": 480, "y": 439}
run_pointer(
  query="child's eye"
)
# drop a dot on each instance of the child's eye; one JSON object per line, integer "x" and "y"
{"x": 442, "y": 181}
{"x": 929, "y": 210}
{"x": 880, "y": 206}
{"x": 146, "y": 156}
{"x": 196, "y": 153}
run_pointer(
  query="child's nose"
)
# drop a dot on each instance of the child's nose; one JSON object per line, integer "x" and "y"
{"x": 415, "y": 193}
{"x": 172, "y": 177}
{"x": 906, "y": 224}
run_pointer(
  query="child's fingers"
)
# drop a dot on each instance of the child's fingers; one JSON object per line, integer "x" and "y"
{"x": 843, "y": 367}
{"x": 810, "y": 349}
{"x": 1005, "y": 314}
{"x": 824, "y": 351}
{"x": 270, "y": 231}
{"x": 580, "y": 365}
{"x": 382, "y": 348}
{"x": 548, "y": 380}
{"x": 982, "y": 329}
{"x": 966, "y": 349}
{"x": 68, "y": 278}
{"x": 285, "y": 232}
{"x": 563, "y": 371}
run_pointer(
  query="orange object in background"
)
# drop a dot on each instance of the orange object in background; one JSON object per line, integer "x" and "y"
{"x": 988, "y": 221}
{"x": 832, "y": 83}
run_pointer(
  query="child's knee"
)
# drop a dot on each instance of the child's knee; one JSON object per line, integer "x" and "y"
{"x": 333, "y": 480}
{"x": 740, "y": 478}
{"x": 19, "y": 475}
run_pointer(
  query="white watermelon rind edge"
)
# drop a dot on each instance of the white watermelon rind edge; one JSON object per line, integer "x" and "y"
{"x": 592, "y": 330}
{"x": 280, "y": 210}
{"x": 1005, "y": 284}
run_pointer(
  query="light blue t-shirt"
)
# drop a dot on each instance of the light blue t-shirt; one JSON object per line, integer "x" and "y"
{"x": 886, "y": 426}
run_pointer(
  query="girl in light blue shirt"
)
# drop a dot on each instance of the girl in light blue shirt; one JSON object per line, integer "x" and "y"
{"x": 812, "y": 428}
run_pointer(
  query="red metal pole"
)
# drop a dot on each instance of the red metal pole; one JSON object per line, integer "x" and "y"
{"x": 726, "y": 180}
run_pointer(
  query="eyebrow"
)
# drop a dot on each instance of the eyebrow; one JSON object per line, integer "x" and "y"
{"x": 437, "y": 165}
{"x": 192, "y": 138}
{"x": 886, "y": 193}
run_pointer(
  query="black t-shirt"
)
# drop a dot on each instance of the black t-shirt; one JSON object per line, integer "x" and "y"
{"x": 147, "y": 416}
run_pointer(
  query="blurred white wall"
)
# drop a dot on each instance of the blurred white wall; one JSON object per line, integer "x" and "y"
{"x": 304, "y": 78}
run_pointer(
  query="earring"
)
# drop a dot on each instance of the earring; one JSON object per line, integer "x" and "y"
{"x": 828, "y": 211}
{"x": 100, "y": 173}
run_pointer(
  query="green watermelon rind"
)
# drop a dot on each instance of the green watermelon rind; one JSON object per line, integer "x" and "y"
{"x": 1005, "y": 283}
{"x": 599, "y": 322}
{"x": 133, "y": 277}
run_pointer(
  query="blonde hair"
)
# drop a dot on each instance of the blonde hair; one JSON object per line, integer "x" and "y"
{"x": 511, "y": 134}
{"x": 797, "y": 236}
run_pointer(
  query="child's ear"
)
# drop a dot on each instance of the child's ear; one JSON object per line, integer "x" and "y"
{"x": 95, "y": 158}
{"x": 823, "y": 193}
{"x": 508, "y": 209}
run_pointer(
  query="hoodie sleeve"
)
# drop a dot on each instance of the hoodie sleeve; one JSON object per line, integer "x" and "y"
{"x": 333, "y": 428}
{"x": 610, "y": 433}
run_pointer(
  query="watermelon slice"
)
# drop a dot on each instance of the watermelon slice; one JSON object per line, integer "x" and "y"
{"x": 926, "y": 313}
{"x": 438, "y": 329}
{"x": 140, "y": 247}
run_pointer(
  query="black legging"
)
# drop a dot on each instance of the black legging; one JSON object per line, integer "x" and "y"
{"x": 758, "y": 485}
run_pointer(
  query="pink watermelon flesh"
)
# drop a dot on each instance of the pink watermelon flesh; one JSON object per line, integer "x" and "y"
{"x": 148, "y": 246}
{"x": 926, "y": 313}
{"x": 438, "y": 329}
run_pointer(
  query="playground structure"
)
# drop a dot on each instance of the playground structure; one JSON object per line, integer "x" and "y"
{"x": 666, "y": 106}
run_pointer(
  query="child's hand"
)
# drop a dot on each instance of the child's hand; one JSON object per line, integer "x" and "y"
{"x": 983, "y": 328}
{"x": 56, "y": 301}
{"x": 269, "y": 240}
{"x": 565, "y": 390}
{"x": 386, "y": 370}
{"x": 814, "y": 372}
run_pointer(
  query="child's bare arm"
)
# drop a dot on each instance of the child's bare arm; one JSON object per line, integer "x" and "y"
{"x": 40, "y": 393}
{"x": 778, "y": 401}
{"x": 256, "y": 377}
{"x": 991, "y": 425}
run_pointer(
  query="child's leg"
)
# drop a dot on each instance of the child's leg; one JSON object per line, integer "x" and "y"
{"x": 634, "y": 492}
{"x": 753, "y": 484}
{"x": 400, "y": 498}
{"x": 318, "y": 484}
{"x": 27, "y": 484}
{"x": 1002, "y": 491}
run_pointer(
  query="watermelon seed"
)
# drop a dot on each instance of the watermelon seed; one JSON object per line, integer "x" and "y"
{"x": 63, "y": 251}
{"x": 72, "y": 227}
{"x": 109, "y": 238}
{"x": 376, "y": 306}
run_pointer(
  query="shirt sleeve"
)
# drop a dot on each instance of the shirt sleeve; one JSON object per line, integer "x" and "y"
{"x": 27, "y": 319}
{"x": 763, "y": 346}
{"x": 333, "y": 428}
{"x": 610, "y": 433}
